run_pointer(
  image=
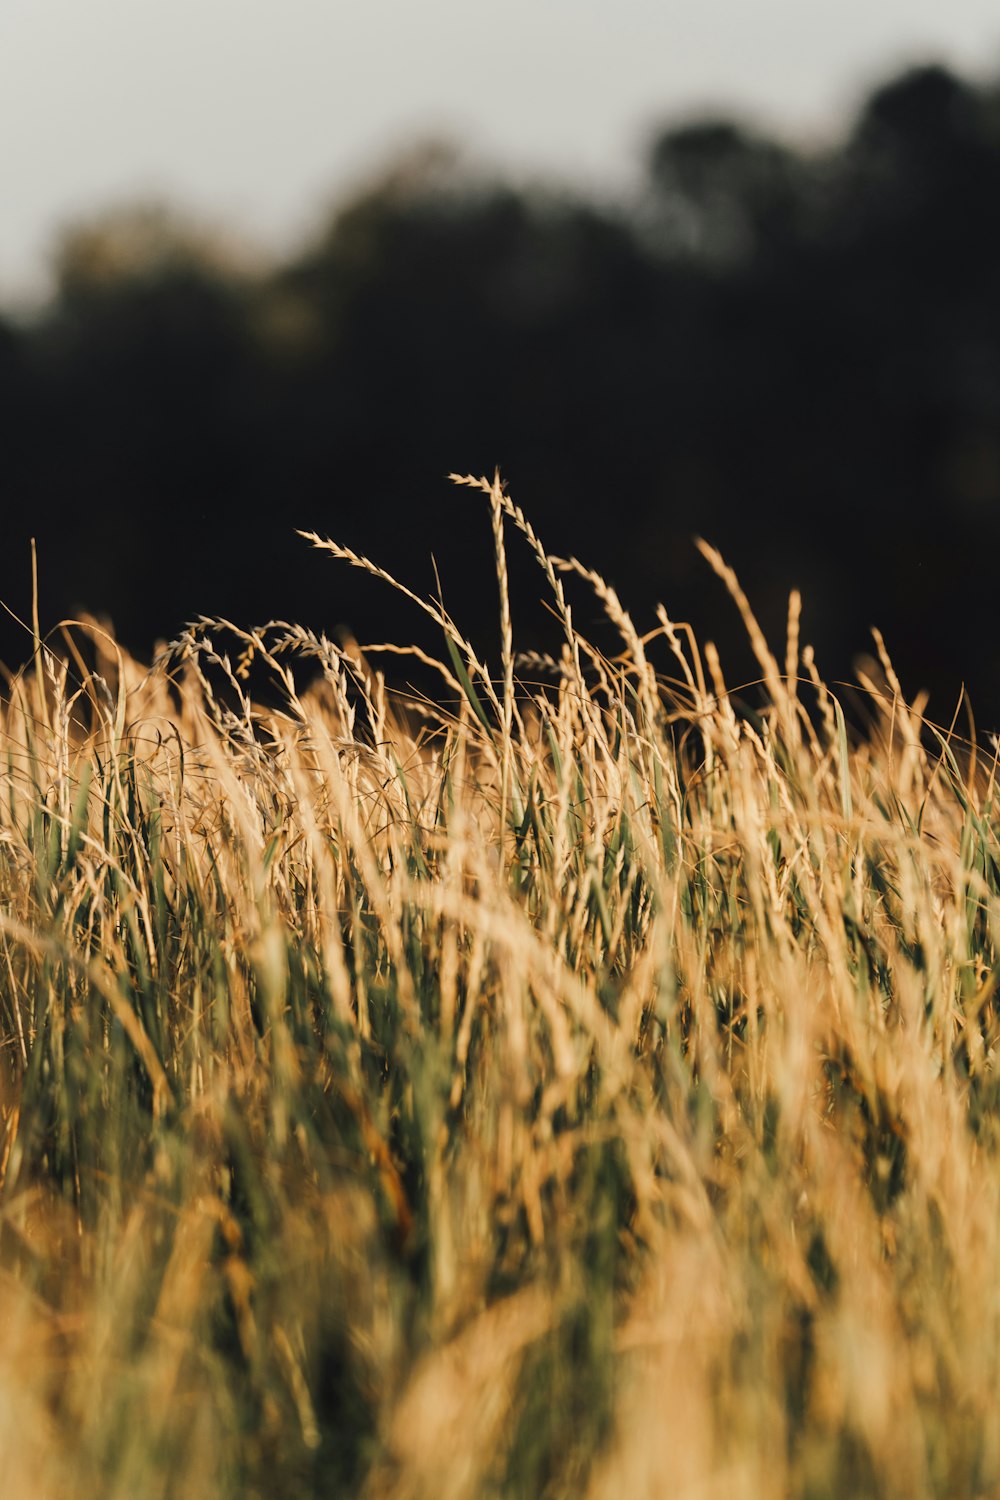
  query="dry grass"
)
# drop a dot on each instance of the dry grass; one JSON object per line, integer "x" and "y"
{"x": 581, "y": 1090}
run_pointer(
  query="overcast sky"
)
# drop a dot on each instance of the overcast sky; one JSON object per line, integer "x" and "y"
{"x": 258, "y": 112}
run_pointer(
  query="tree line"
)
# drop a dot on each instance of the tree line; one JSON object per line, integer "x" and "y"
{"x": 793, "y": 353}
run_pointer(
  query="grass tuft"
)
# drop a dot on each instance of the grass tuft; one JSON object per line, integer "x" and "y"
{"x": 581, "y": 1084}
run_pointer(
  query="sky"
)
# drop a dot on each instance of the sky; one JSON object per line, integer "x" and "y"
{"x": 256, "y": 115}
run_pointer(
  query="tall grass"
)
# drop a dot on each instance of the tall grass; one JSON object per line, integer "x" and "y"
{"x": 567, "y": 1086}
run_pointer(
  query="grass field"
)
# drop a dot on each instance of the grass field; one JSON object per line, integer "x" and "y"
{"x": 576, "y": 1089}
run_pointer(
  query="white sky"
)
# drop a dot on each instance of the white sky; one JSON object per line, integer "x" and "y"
{"x": 256, "y": 113}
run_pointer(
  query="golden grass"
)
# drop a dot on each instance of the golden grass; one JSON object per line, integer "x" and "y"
{"x": 583, "y": 1088}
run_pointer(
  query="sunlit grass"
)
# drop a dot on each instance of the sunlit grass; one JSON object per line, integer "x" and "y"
{"x": 569, "y": 1085}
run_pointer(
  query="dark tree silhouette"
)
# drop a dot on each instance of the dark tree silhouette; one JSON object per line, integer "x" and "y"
{"x": 794, "y": 354}
{"x": 724, "y": 196}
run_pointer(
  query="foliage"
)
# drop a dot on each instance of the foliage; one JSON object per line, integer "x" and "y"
{"x": 566, "y": 1085}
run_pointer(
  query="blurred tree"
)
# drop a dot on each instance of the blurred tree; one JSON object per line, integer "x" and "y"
{"x": 144, "y": 369}
{"x": 722, "y": 194}
{"x": 141, "y": 243}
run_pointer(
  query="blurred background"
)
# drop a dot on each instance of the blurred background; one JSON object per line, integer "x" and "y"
{"x": 730, "y": 270}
